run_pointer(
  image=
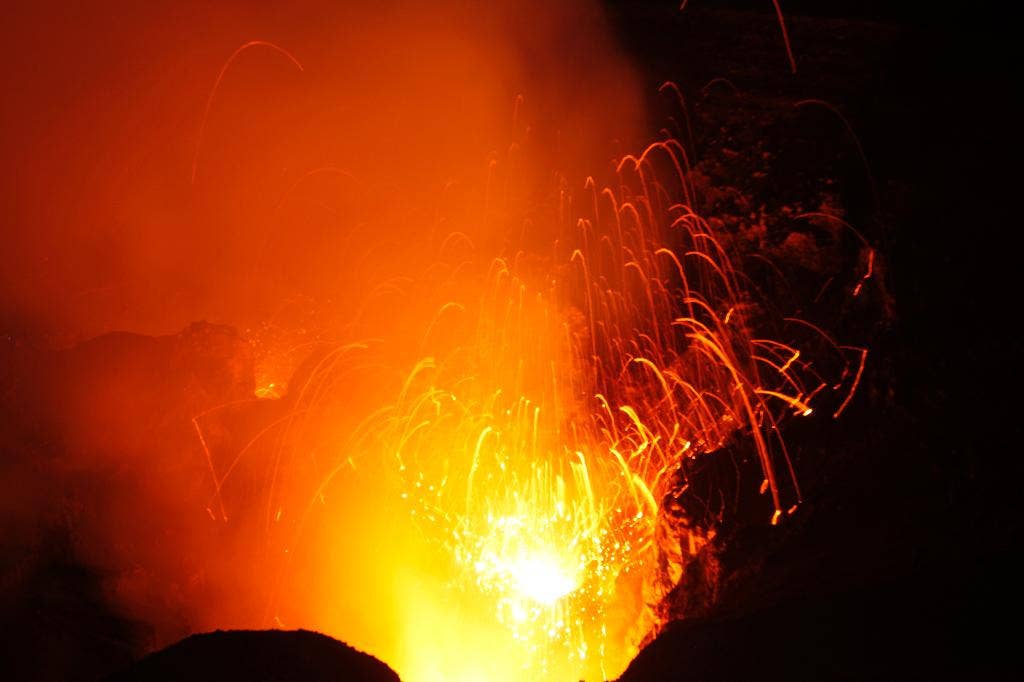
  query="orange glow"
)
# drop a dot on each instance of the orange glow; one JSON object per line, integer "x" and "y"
{"x": 532, "y": 443}
{"x": 489, "y": 328}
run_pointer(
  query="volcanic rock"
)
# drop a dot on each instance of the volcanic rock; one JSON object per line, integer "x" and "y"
{"x": 258, "y": 656}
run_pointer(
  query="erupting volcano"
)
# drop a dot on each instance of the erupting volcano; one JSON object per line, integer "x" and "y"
{"x": 558, "y": 403}
{"x": 532, "y": 335}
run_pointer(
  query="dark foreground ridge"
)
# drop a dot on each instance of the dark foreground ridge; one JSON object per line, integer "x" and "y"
{"x": 911, "y": 628}
{"x": 258, "y": 656}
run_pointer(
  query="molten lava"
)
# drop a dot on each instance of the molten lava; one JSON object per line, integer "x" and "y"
{"x": 467, "y": 472}
{"x": 549, "y": 418}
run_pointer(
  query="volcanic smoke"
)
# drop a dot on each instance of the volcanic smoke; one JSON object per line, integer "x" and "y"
{"x": 488, "y": 334}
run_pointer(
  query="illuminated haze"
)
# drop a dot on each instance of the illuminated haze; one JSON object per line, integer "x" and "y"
{"x": 316, "y": 184}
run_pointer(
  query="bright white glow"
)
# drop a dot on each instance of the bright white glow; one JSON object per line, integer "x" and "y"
{"x": 541, "y": 579}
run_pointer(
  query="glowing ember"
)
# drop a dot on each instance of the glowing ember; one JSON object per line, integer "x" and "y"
{"x": 549, "y": 405}
{"x": 462, "y": 442}
{"x": 533, "y": 454}
{"x": 535, "y": 442}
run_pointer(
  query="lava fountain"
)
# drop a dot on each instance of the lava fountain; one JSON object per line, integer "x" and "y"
{"x": 472, "y": 474}
{"x": 551, "y": 402}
